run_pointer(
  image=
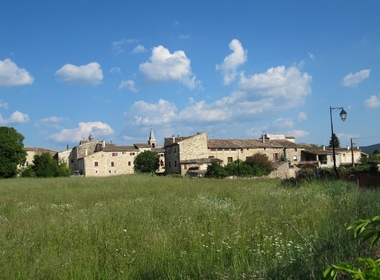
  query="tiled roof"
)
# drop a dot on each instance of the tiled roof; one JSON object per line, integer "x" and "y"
{"x": 141, "y": 145}
{"x": 201, "y": 160}
{"x": 39, "y": 150}
{"x": 169, "y": 140}
{"x": 249, "y": 143}
{"x": 114, "y": 148}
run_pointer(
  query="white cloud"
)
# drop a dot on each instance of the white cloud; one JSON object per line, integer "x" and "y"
{"x": 164, "y": 66}
{"x": 3, "y": 105}
{"x": 354, "y": 79}
{"x": 118, "y": 46}
{"x": 80, "y": 75}
{"x": 284, "y": 87}
{"x": 115, "y": 70}
{"x": 143, "y": 113}
{"x": 302, "y": 116}
{"x": 283, "y": 123}
{"x": 11, "y": 75}
{"x": 16, "y": 118}
{"x": 139, "y": 49}
{"x": 372, "y": 102}
{"x": 260, "y": 96}
{"x": 130, "y": 85}
{"x": 51, "y": 121}
{"x": 96, "y": 129}
{"x": 311, "y": 56}
{"x": 298, "y": 133}
{"x": 231, "y": 62}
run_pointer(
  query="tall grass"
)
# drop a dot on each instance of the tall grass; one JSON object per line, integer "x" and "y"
{"x": 144, "y": 227}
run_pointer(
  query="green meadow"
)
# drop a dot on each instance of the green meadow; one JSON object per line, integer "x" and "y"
{"x": 146, "y": 227}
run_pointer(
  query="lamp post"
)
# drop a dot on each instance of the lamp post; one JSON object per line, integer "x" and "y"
{"x": 343, "y": 116}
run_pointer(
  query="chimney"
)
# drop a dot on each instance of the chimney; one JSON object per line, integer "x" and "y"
{"x": 173, "y": 138}
{"x": 324, "y": 147}
{"x": 263, "y": 137}
{"x": 103, "y": 143}
{"x": 85, "y": 152}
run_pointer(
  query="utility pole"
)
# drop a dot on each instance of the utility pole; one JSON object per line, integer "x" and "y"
{"x": 352, "y": 152}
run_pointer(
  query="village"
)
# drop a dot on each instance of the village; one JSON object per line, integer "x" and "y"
{"x": 190, "y": 155}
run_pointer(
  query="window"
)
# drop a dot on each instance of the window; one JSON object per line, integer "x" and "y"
{"x": 114, "y": 154}
{"x": 230, "y": 160}
{"x": 185, "y": 166}
{"x": 162, "y": 163}
{"x": 175, "y": 163}
{"x": 169, "y": 163}
{"x": 96, "y": 163}
{"x": 129, "y": 163}
{"x": 72, "y": 161}
{"x": 276, "y": 156}
{"x": 132, "y": 154}
{"x": 175, "y": 150}
{"x": 112, "y": 164}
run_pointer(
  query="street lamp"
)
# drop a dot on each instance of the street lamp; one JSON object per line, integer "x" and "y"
{"x": 343, "y": 116}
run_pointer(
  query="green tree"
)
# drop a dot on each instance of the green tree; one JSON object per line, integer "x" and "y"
{"x": 260, "y": 164}
{"x": 334, "y": 139}
{"x": 45, "y": 166}
{"x": 12, "y": 152}
{"x": 216, "y": 170}
{"x": 146, "y": 162}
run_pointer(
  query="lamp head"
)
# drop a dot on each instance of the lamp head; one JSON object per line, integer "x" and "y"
{"x": 343, "y": 115}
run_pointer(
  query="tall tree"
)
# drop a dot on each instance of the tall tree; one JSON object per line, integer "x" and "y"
{"x": 146, "y": 162}
{"x": 334, "y": 139}
{"x": 12, "y": 152}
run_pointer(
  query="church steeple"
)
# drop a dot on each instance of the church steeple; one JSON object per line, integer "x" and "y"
{"x": 152, "y": 140}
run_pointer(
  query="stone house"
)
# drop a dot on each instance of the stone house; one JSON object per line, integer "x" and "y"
{"x": 98, "y": 158}
{"x": 33, "y": 151}
{"x": 187, "y": 154}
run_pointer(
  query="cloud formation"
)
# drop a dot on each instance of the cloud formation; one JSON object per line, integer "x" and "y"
{"x": 89, "y": 74}
{"x": 231, "y": 62}
{"x": 139, "y": 49}
{"x": 96, "y": 129}
{"x": 354, "y": 79}
{"x": 129, "y": 84}
{"x": 118, "y": 46}
{"x": 11, "y": 75}
{"x": 258, "y": 96}
{"x": 372, "y": 102}
{"x": 164, "y": 66}
{"x": 16, "y": 118}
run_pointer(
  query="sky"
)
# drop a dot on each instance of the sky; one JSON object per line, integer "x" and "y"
{"x": 234, "y": 69}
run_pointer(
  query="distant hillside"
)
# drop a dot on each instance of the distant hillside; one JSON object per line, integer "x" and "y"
{"x": 370, "y": 149}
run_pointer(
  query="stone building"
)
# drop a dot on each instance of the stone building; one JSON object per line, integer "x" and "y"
{"x": 33, "y": 151}
{"x": 98, "y": 158}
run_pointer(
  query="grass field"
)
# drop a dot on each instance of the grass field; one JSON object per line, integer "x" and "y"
{"x": 145, "y": 227}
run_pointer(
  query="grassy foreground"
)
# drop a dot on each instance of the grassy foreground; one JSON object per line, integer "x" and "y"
{"x": 143, "y": 227}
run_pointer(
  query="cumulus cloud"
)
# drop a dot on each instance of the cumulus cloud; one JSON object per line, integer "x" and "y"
{"x": 139, "y": 49}
{"x": 164, "y": 66}
{"x": 89, "y": 74}
{"x": 16, "y": 118}
{"x": 143, "y": 113}
{"x": 372, "y": 102}
{"x": 129, "y": 84}
{"x": 286, "y": 86}
{"x": 96, "y": 129}
{"x": 231, "y": 62}
{"x": 258, "y": 97}
{"x": 11, "y": 75}
{"x": 354, "y": 79}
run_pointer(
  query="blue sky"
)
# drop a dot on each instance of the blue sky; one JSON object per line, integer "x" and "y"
{"x": 236, "y": 69}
